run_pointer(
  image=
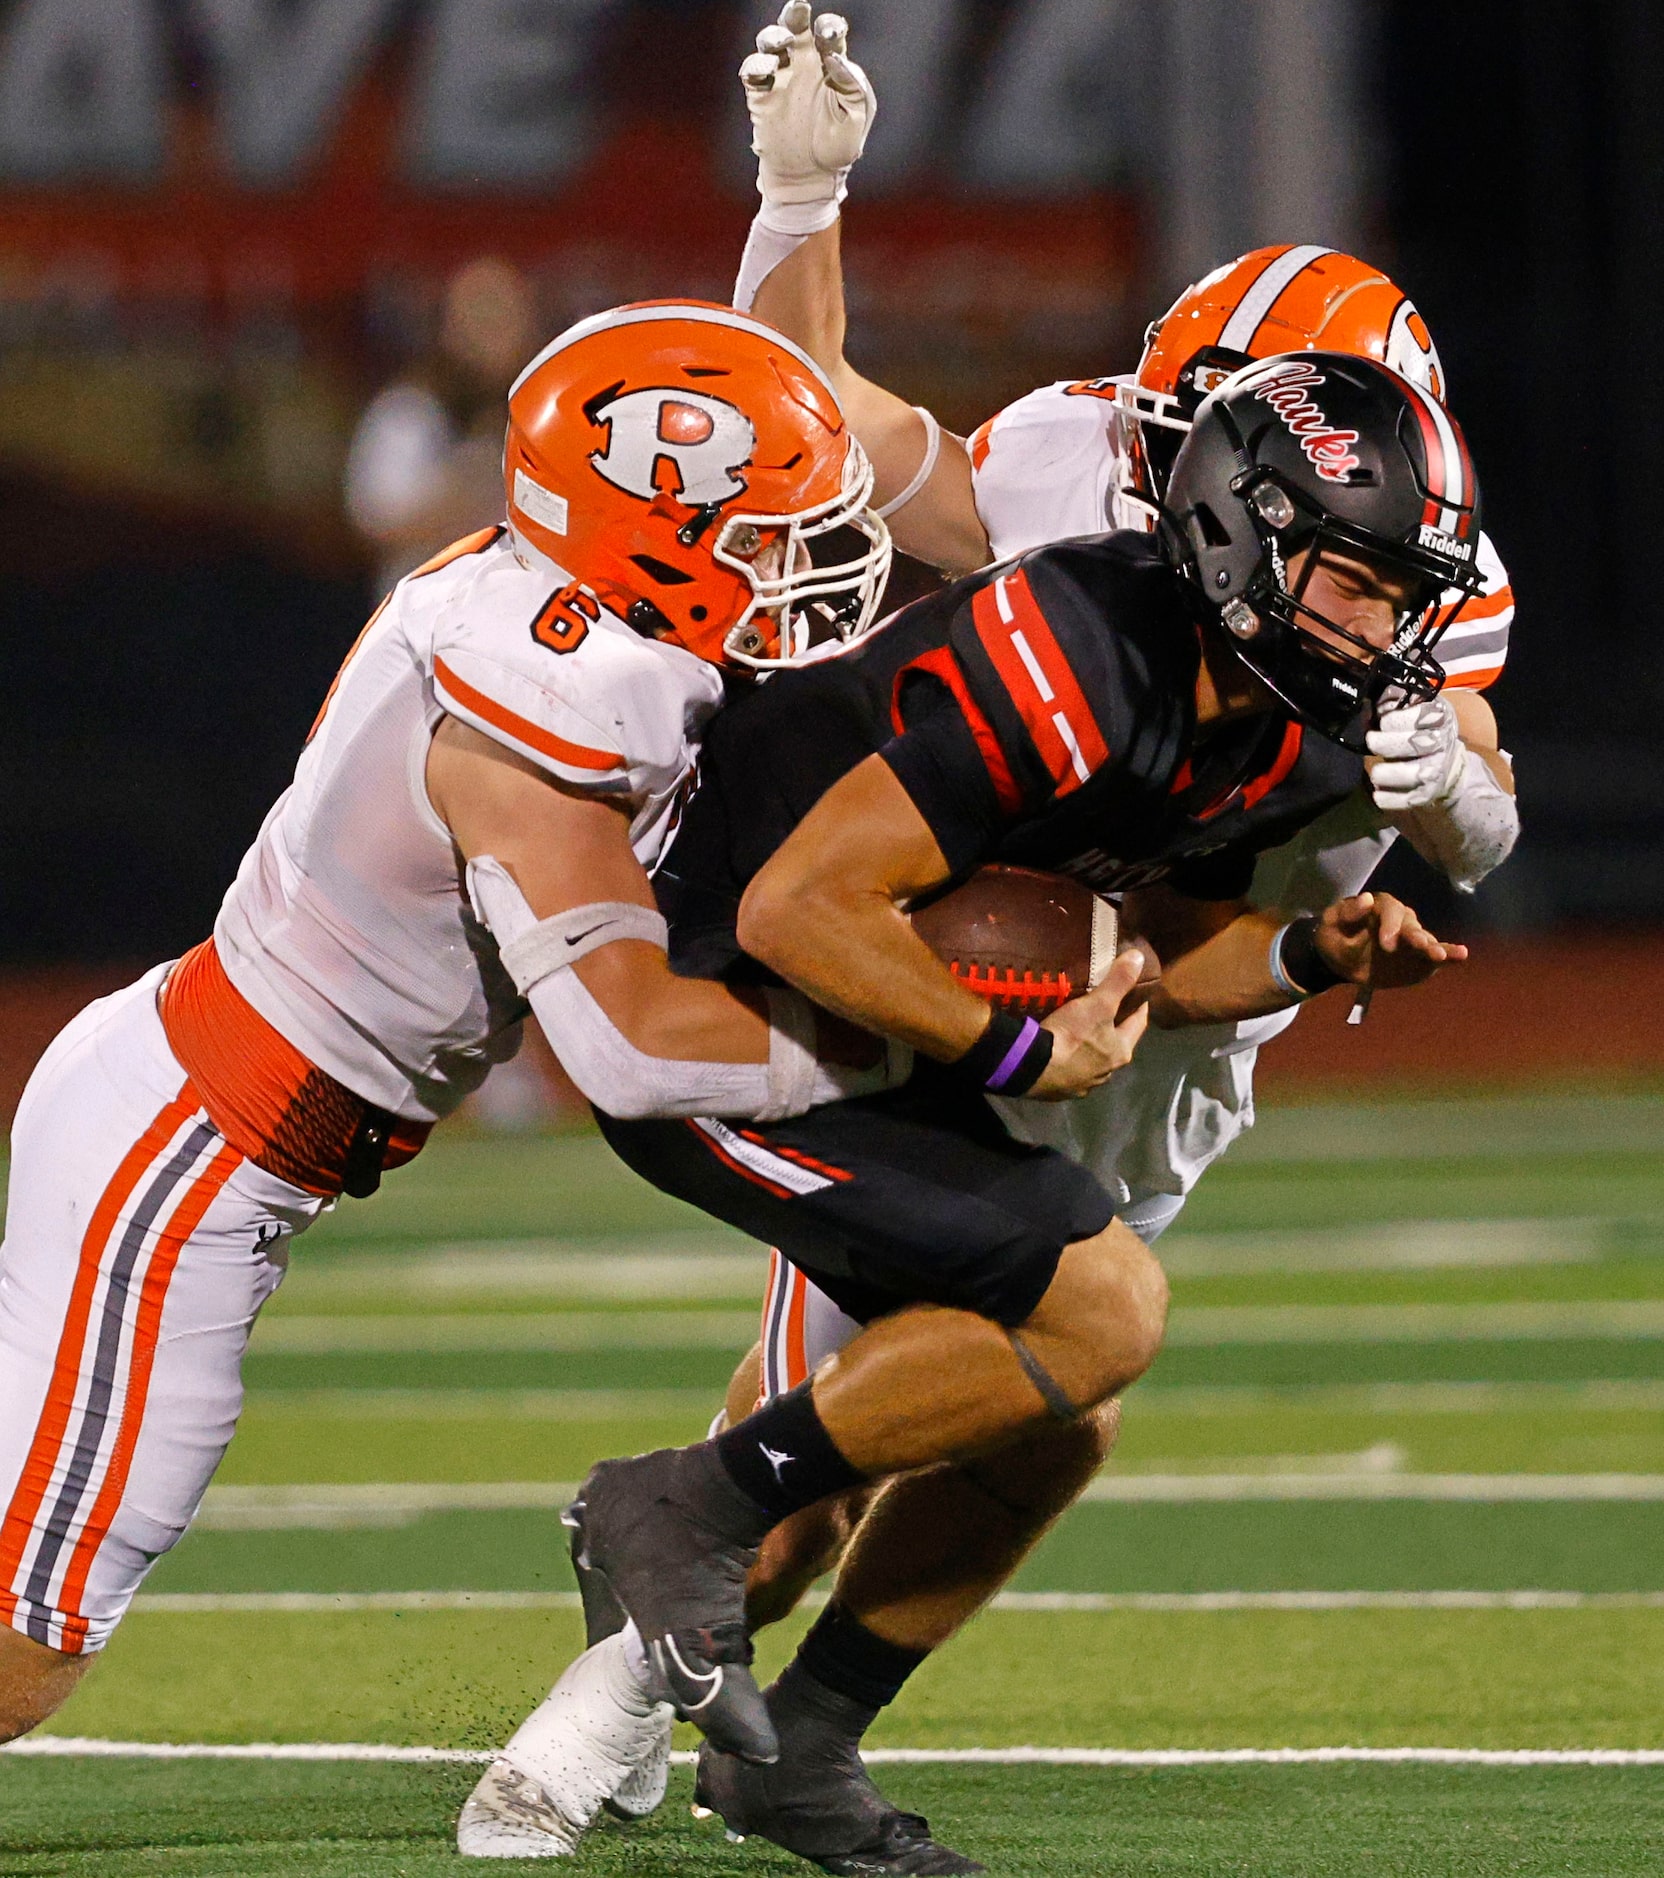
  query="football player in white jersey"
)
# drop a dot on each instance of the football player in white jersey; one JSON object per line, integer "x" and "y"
{"x": 499, "y": 760}
{"x": 1068, "y": 459}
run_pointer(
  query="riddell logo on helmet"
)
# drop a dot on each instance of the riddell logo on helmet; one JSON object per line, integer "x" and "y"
{"x": 1441, "y": 543}
{"x": 1287, "y": 389}
{"x": 708, "y": 440}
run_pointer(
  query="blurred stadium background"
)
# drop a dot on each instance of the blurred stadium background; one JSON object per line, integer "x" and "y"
{"x": 228, "y": 227}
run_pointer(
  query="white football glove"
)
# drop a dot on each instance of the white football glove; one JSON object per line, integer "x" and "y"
{"x": 811, "y": 109}
{"x": 1420, "y": 756}
{"x": 1432, "y": 787}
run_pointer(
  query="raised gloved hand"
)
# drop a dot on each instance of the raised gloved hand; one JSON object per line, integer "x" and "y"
{"x": 811, "y": 110}
{"x": 1417, "y": 756}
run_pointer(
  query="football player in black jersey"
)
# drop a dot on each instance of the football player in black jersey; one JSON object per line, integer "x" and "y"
{"x": 1148, "y": 714}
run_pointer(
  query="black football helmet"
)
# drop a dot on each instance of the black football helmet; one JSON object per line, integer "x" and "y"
{"x": 1326, "y": 450}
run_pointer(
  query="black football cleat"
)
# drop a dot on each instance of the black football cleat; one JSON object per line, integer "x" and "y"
{"x": 661, "y": 1530}
{"x": 819, "y": 1801}
{"x": 604, "y": 1616}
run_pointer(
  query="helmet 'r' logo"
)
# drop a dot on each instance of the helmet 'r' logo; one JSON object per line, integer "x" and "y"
{"x": 708, "y": 440}
{"x": 1411, "y": 353}
{"x": 1287, "y": 389}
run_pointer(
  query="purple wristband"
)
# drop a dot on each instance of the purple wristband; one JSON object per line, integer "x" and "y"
{"x": 1014, "y": 1056}
{"x": 1010, "y": 1055}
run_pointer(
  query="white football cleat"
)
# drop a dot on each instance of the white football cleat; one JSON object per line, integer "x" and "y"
{"x": 643, "y": 1790}
{"x": 594, "y": 1734}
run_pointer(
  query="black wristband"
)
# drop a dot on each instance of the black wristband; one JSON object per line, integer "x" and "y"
{"x": 1296, "y": 960}
{"x": 1010, "y": 1055}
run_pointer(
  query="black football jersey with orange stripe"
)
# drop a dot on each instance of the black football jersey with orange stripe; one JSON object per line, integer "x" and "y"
{"x": 1041, "y": 714}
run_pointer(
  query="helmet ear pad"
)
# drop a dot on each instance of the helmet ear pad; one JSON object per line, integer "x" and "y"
{"x": 1219, "y": 538}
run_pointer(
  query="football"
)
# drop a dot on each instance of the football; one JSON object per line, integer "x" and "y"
{"x": 1025, "y": 940}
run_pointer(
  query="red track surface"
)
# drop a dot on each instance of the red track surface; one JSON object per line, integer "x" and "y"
{"x": 1546, "y": 1009}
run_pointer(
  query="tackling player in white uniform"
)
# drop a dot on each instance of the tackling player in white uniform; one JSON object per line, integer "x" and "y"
{"x": 1068, "y": 459}
{"x": 466, "y": 838}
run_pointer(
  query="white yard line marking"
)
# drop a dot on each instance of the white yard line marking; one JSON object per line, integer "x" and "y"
{"x": 1402, "y": 1245}
{"x": 333, "y": 1603}
{"x": 473, "y": 1405}
{"x": 1176, "y": 1489}
{"x": 1406, "y": 1398}
{"x": 651, "y": 1269}
{"x": 560, "y": 1331}
{"x": 332, "y": 1507}
{"x": 654, "y": 1270}
{"x": 79, "y": 1746}
{"x": 570, "y": 1332}
{"x": 1232, "y": 1399}
{"x": 1415, "y": 1323}
{"x": 1455, "y": 1130}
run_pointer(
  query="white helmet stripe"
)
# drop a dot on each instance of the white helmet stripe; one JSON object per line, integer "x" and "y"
{"x": 641, "y": 315}
{"x": 1454, "y": 491}
{"x": 1241, "y": 327}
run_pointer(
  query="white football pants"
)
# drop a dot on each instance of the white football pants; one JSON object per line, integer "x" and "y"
{"x": 139, "y": 1249}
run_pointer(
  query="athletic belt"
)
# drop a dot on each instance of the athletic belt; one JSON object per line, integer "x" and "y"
{"x": 275, "y": 1107}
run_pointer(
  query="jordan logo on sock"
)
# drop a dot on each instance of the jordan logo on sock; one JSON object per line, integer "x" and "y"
{"x": 776, "y": 1459}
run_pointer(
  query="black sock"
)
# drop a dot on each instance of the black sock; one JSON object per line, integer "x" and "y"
{"x": 843, "y": 1655}
{"x": 782, "y": 1456}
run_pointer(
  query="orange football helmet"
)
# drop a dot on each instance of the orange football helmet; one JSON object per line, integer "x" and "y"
{"x": 678, "y": 459}
{"x": 1283, "y": 299}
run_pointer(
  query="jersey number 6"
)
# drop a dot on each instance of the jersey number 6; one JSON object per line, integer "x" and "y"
{"x": 563, "y": 621}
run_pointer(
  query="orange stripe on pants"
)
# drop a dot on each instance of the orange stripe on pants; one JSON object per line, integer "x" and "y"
{"x": 36, "y": 1477}
{"x": 187, "y": 1216}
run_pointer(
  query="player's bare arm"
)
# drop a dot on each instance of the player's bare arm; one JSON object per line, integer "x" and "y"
{"x": 1230, "y": 961}
{"x": 828, "y": 913}
{"x": 810, "y": 108}
{"x": 567, "y": 849}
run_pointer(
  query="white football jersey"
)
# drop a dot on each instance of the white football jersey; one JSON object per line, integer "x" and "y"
{"x": 1046, "y": 468}
{"x": 348, "y": 927}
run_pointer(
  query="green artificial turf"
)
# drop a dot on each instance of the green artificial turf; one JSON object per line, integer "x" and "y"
{"x": 512, "y": 1226}
{"x": 133, "y": 1820}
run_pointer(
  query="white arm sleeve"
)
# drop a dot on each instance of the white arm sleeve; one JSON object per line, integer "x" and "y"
{"x": 617, "y": 1077}
{"x": 1468, "y": 832}
{"x": 777, "y": 231}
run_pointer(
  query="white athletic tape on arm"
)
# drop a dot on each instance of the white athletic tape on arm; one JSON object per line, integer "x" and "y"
{"x": 553, "y": 944}
{"x": 926, "y": 469}
{"x": 601, "y": 1060}
{"x": 778, "y": 230}
{"x": 1470, "y": 831}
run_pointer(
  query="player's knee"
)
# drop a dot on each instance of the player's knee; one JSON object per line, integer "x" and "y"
{"x": 35, "y": 1683}
{"x": 1104, "y": 1317}
{"x": 1047, "y": 1469}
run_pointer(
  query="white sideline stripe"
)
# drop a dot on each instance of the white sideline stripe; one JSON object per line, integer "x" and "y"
{"x": 647, "y": 1268}
{"x": 326, "y": 1603}
{"x": 1205, "y": 1327}
{"x": 562, "y": 1331}
{"x": 474, "y": 1405}
{"x": 567, "y": 1332}
{"x": 329, "y": 1507}
{"x": 83, "y": 1747}
{"x": 1414, "y": 1323}
{"x": 1405, "y": 1398}
{"x": 653, "y": 1269}
{"x": 1544, "y": 1488}
{"x": 1233, "y": 1399}
{"x": 1402, "y": 1245}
